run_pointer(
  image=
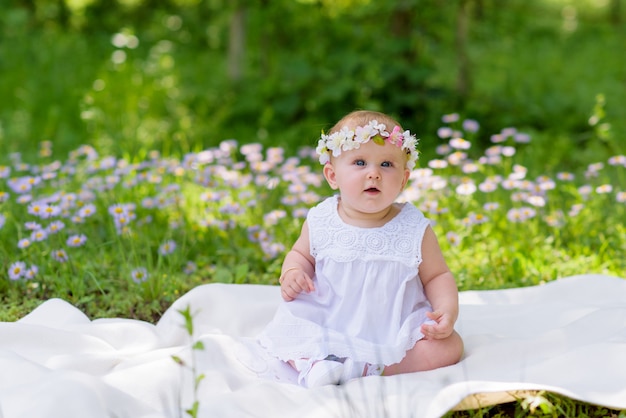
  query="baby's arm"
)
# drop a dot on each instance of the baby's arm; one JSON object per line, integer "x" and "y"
{"x": 298, "y": 268}
{"x": 440, "y": 288}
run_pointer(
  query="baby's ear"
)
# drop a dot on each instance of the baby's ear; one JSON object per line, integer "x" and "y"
{"x": 405, "y": 180}
{"x": 329, "y": 175}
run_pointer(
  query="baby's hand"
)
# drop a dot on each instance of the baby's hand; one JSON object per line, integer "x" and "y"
{"x": 294, "y": 282}
{"x": 442, "y": 329}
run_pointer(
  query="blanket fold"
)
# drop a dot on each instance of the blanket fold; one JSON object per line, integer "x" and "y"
{"x": 566, "y": 337}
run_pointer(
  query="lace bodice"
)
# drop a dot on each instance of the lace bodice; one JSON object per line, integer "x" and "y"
{"x": 399, "y": 240}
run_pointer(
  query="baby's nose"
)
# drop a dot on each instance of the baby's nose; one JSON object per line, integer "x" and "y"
{"x": 373, "y": 174}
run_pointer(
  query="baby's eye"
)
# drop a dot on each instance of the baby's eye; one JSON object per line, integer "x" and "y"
{"x": 387, "y": 164}
{"x": 359, "y": 162}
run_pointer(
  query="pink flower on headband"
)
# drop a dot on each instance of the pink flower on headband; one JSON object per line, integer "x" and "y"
{"x": 396, "y": 137}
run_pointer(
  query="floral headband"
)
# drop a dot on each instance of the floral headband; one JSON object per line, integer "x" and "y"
{"x": 346, "y": 140}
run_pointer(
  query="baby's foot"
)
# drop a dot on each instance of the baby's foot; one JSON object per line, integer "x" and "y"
{"x": 351, "y": 370}
{"x": 324, "y": 372}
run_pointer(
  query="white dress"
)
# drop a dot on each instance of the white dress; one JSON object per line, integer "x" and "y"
{"x": 368, "y": 302}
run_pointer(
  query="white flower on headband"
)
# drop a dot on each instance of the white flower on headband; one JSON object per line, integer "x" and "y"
{"x": 346, "y": 140}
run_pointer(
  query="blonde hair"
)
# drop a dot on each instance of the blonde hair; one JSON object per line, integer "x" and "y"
{"x": 362, "y": 118}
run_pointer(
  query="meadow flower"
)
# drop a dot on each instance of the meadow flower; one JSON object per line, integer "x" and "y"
{"x": 488, "y": 186}
{"x": 86, "y": 211}
{"x": 17, "y": 270}
{"x": 460, "y": 143}
{"x": 520, "y": 214}
{"x": 536, "y": 200}
{"x": 497, "y": 138}
{"x": 493, "y": 151}
{"x": 585, "y": 190}
{"x": 190, "y": 268}
{"x": 555, "y": 220}
{"x": 31, "y": 272}
{"x": 604, "y": 188}
{"x": 508, "y": 151}
{"x": 256, "y": 233}
{"x": 491, "y": 206}
{"x": 55, "y": 227}
{"x": 38, "y": 235}
{"x": 519, "y": 172}
{"x": 76, "y": 240}
{"x": 272, "y": 249}
{"x": 251, "y": 149}
{"x": 466, "y": 221}
{"x": 139, "y": 275}
{"x": 456, "y": 158}
{"x": 443, "y": 149}
{"x": 272, "y": 217}
{"x": 470, "y": 125}
{"x": 36, "y": 209}
{"x": 25, "y": 198}
{"x": 119, "y": 209}
{"x": 19, "y": 185}
{"x": 508, "y": 132}
{"x": 300, "y": 213}
{"x": 490, "y": 160}
{"x": 595, "y": 167}
{"x": 615, "y": 160}
{"x": 478, "y": 218}
{"x": 519, "y": 196}
{"x": 4, "y": 196}
{"x": 527, "y": 212}
{"x": 288, "y": 200}
{"x": 546, "y": 184}
{"x": 437, "y": 163}
{"x": 2, "y": 220}
{"x": 469, "y": 168}
{"x": 575, "y": 209}
{"x": 59, "y": 255}
{"x": 565, "y": 176}
{"x": 296, "y": 188}
{"x": 510, "y": 184}
{"x": 23, "y": 243}
{"x": 450, "y": 118}
{"x": 50, "y": 211}
{"x": 149, "y": 202}
{"x": 514, "y": 215}
{"x": 521, "y": 138}
{"x": 453, "y": 238}
{"x": 231, "y": 208}
{"x": 167, "y": 247}
{"x": 444, "y": 132}
{"x": 5, "y": 171}
{"x": 621, "y": 197}
{"x": 32, "y": 226}
{"x": 466, "y": 188}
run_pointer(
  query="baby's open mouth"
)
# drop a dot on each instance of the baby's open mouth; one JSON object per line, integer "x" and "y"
{"x": 372, "y": 189}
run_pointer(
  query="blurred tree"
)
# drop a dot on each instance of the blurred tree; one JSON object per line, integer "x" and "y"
{"x": 236, "y": 41}
{"x": 615, "y": 12}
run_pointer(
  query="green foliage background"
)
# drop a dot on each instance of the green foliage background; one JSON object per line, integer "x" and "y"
{"x": 537, "y": 65}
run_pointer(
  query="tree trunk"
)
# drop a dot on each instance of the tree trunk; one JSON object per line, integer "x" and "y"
{"x": 463, "y": 82}
{"x": 237, "y": 42}
{"x": 615, "y": 16}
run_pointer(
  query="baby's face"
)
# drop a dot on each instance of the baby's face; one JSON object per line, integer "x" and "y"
{"x": 369, "y": 178}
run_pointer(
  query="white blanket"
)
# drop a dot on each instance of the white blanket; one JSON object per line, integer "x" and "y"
{"x": 568, "y": 337}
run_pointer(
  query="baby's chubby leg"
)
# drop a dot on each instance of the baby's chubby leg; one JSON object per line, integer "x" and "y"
{"x": 429, "y": 354}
